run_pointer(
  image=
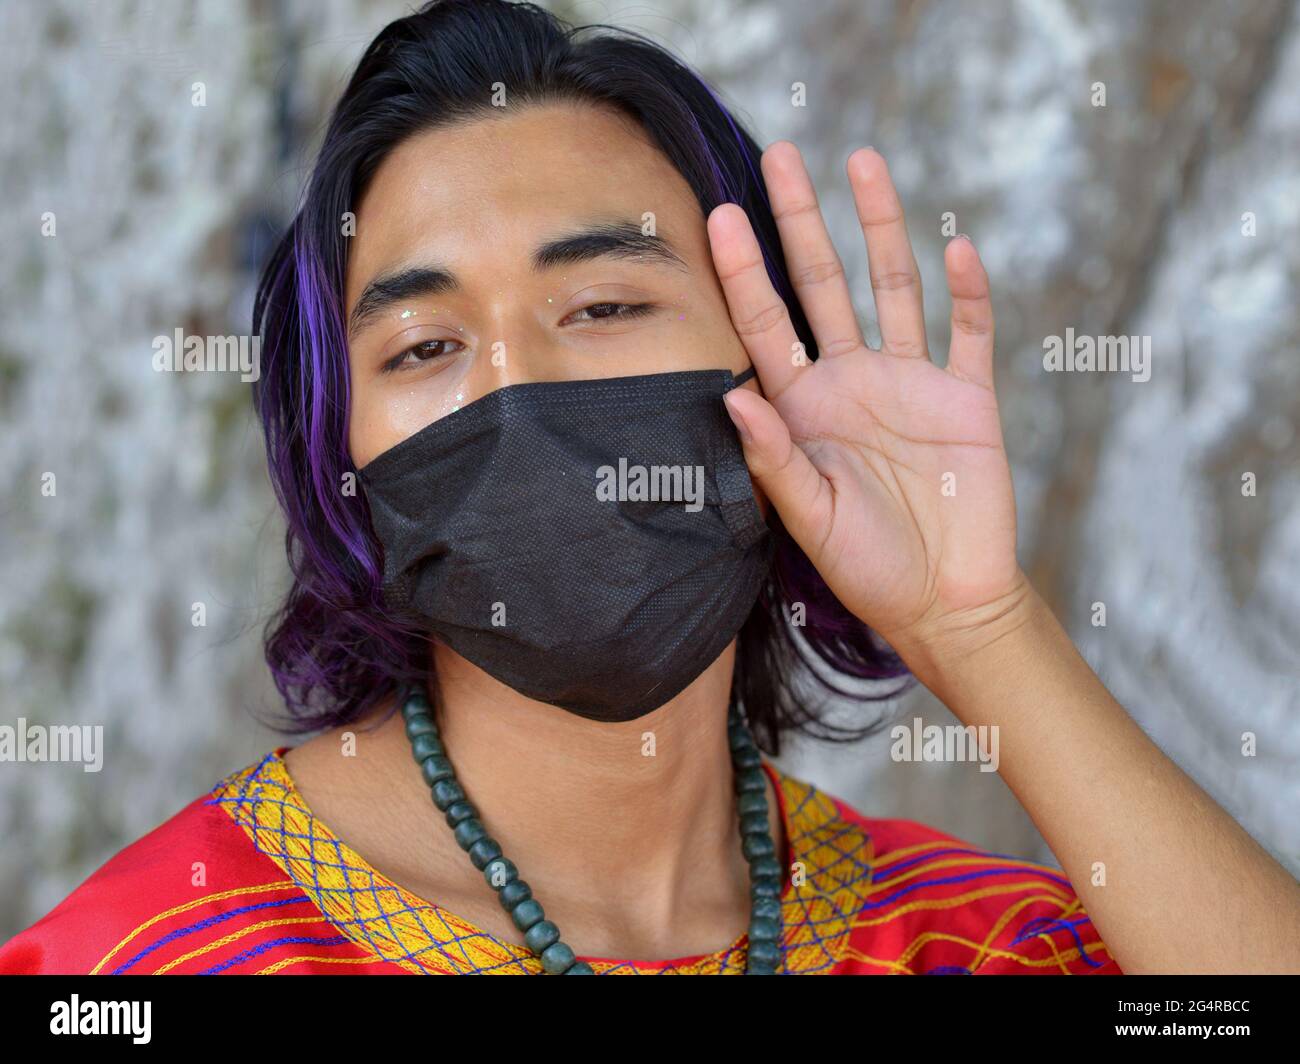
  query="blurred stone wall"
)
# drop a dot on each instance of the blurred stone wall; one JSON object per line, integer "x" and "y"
{"x": 1123, "y": 219}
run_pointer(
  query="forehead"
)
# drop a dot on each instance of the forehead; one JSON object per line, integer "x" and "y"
{"x": 485, "y": 191}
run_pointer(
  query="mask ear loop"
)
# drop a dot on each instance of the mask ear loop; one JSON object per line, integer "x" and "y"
{"x": 735, "y": 489}
{"x": 736, "y": 382}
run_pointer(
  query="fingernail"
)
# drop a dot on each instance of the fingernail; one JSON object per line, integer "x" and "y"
{"x": 741, "y": 428}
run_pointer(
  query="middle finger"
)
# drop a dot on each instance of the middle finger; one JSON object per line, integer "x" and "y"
{"x": 895, "y": 280}
{"x": 815, "y": 268}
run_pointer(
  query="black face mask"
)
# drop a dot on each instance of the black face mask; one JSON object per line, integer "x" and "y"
{"x": 592, "y": 544}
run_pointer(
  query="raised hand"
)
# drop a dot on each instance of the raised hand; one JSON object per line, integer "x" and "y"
{"x": 855, "y": 451}
{"x": 888, "y": 471}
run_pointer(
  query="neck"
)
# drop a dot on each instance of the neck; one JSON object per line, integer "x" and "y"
{"x": 628, "y": 833}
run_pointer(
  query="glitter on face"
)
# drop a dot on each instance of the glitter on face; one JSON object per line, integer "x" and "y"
{"x": 408, "y": 314}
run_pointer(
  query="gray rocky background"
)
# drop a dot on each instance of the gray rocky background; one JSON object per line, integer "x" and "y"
{"x": 1125, "y": 219}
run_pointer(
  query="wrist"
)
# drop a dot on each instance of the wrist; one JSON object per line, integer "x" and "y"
{"x": 942, "y": 647}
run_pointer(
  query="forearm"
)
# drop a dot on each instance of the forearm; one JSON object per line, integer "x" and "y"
{"x": 1186, "y": 889}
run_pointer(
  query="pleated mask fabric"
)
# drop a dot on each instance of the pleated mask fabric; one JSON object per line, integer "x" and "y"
{"x": 592, "y": 544}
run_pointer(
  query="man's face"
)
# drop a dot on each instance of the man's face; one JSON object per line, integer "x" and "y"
{"x": 546, "y": 243}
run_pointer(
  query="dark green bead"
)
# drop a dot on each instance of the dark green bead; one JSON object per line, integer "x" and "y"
{"x": 749, "y": 780}
{"x": 762, "y": 929}
{"x": 420, "y": 724}
{"x": 748, "y": 757}
{"x": 500, "y": 872}
{"x": 755, "y": 824}
{"x": 483, "y": 851}
{"x": 738, "y": 737}
{"x": 761, "y": 969}
{"x": 540, "y": 935}
{"x": 579, "y": 968}
{"x": 527, "y": 913}
{"x": 752, "y": 802}
{"x": 469, "y": 832}
{"x": 416, "y": 705}
{"x": 766, "y": 867}
{"x": 756, "y": 846}
{"x": 426, "y": 746}
{"x": 436, "y": 768}
{"x": 769, "y": 908}
{"x": 557, "y": 957}
{"x": 765, "y": 888}
{"x": 458, "y": 812}
{"x": 447, "y": 793}
{"x": 767, "y": 954}
{"x": 514, "y": 892}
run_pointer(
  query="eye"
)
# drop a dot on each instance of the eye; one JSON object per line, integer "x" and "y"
{"x": 424, "y": 352}
{"x": 608, "y": 311}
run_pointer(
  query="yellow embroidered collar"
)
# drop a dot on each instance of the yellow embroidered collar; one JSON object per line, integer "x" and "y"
{"x": 831, "y": 859}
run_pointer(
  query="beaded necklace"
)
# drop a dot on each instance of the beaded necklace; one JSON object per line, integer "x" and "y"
{"x": 541, "y": 935}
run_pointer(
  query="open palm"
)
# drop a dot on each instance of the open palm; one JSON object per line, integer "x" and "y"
{"x": 888, "y": 471}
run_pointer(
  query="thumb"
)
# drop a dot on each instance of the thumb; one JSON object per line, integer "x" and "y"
{"x": 801, "y": 495}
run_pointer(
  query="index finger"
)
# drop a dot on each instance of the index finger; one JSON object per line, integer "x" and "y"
{"x": 758, "y": 313}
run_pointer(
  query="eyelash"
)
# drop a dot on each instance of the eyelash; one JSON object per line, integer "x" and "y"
{"x": 630, "y": 310}
{"x": 399, "y": 362}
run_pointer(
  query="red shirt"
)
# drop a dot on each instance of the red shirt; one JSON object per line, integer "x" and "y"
{"x": 245, "y": 879}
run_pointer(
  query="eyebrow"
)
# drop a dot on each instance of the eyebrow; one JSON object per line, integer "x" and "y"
{"x": 622, "y": 239}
